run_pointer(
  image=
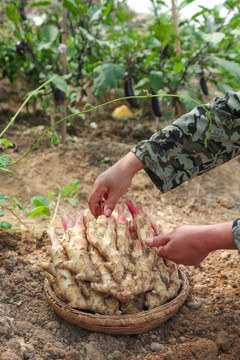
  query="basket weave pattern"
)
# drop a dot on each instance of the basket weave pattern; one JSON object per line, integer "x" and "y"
{"x": 119, "y": 324}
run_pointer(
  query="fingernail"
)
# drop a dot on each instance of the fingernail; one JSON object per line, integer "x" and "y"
{"x": 149, "y": 241}
{"x": 108, "y": 212}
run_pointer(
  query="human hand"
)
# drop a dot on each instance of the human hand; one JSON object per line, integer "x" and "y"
{"x": 112, "y": 184}
{"x": 189, "y": 245}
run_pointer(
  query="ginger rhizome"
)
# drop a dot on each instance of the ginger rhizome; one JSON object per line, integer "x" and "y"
{"x": 105, "y": 265}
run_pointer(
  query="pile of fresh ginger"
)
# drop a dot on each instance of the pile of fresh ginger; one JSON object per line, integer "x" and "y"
{"x": 106, "y": 267}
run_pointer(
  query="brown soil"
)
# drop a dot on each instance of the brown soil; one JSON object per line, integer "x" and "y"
{"x": 206, "y": 327}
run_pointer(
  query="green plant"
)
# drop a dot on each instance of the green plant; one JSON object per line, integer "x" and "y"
{"x": 106, "y": 159}
{"x": 6, "y": 203}
{"x": 5, "y": 159}
{"x": 106, "y": 40}
{"x": 41, "y": 205}
{"x": 70, "y": 191}
{"x": 41, "y": 208}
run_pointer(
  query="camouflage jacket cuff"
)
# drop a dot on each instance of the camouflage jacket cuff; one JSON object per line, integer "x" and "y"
{"x": 236, "y": 232}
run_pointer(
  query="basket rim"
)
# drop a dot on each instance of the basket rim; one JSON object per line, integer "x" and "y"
{"x": 119, "y": 324}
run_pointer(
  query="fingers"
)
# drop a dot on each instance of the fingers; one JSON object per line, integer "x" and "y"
{"x": 101, "y": 202}
{"x": 110, "y": 203}
{"x": 159, "y": 240}
{"x": 95, "y": 201}
{"x": 162, "y": 252}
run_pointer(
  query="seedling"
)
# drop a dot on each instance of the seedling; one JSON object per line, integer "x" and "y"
{"x": 6, "y": 143}
{"x": 105, "y": 160}
{"x": 5, "y": 225}
{"x": 42, "y": 205}
{"x": 10, "y": 204}
{"x": 71, "y": 192}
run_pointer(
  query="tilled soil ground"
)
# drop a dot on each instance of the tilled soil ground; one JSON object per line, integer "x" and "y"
{"x": 206, "y": 327}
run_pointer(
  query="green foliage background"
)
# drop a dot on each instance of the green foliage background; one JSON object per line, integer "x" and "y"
{"x": 105, "y": 39}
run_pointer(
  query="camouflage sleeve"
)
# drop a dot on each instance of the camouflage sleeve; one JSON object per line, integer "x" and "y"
{"x": 177, "y": 153}
{"x": 236, "y": 232}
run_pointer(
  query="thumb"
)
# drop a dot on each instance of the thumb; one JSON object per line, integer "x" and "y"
{"x": 159, "y": 240}
{"x": 110, "y": 204}
{"x": 162, "y": 251}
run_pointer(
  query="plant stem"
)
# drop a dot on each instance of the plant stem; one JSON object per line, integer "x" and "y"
{"x": 56, "y": 209}
{"x": 23, "y": 104}
{"x": 176, "y": 31}
{"x": 64, "y": 70}
{"x": 10, "y": 163}
{"x": 11, "y": 211}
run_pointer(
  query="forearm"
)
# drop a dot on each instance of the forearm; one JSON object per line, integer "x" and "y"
{"x": 178, "y": 153}
{"x": 219, "y": 236}
{"x": 190, "y": 245}
{"x": 129, "y": 165}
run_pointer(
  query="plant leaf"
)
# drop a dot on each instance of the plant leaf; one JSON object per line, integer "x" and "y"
{"x": 106, "y": 76}
{"x": 6, "y": 143}
{"x": 106, "y": 159}
{"x": 66, "y": 190}
{"x": 231, "y": 66}
{"x": 40, "y": 3}
{"x": 4, "y": 198}
{"x": 7, "y": 170}
{"x": 60, "y": 83}
{"x": 75, "y": 183}
{"x": 168, "y": 115}
{"x": 156, "y": 80}
{"x": 54, "y": 139}
{"x": 163, "y": 31}
{"x": 142, "y": 84}
{"x": 5, "y": 225}
{"x": 184, "y": 3}
{"x": 51, "y": 33}
{"x": 73, "y": 202}
{"x": 4, "y": 160}
{"x": 17, "y": 202}
{"x": 71, "y": 6}
{"x": 40, "y": 201}
{"x": 12, "y": 14}
{"x": 214, "y": 38}
{"x": 40, "y": 210}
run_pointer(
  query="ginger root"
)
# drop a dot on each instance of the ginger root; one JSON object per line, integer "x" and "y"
{"x": 105, "y": 265}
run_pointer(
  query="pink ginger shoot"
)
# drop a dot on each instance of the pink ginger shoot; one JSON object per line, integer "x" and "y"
{"x": 132, "y": 228}
{"x": 132, "y": 208}
{"x": 79, "y": 220}
{"x": 140, "y": 209}
{"x": 53, "y": 237}
{"x": 138, "y": 245}
{"x": 157, "y": 229}
{"x": 66, "y": 221}
{"x": 121, "y": 214}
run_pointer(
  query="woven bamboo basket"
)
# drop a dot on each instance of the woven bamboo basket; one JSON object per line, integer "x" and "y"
{"x": 119, "y": 324}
